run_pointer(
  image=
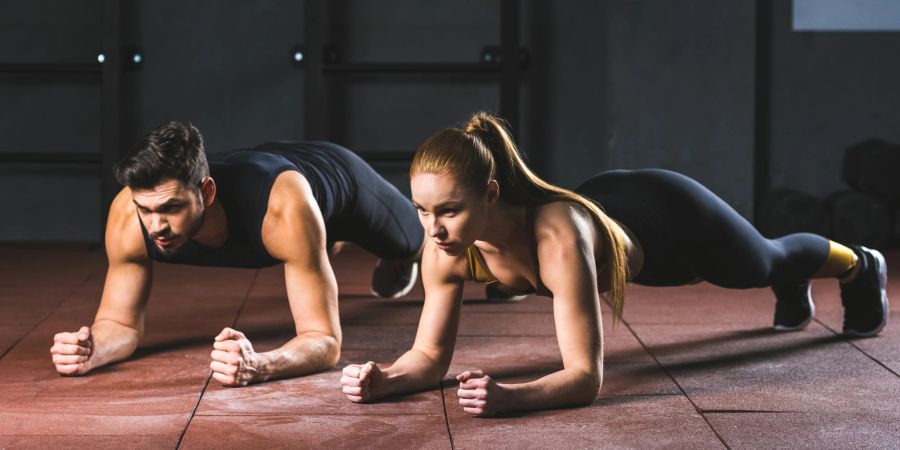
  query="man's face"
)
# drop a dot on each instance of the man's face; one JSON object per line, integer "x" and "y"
{"x": 171, "y": 211}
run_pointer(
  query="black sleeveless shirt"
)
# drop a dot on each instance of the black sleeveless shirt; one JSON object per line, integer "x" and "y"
{"x": 244, "y": 179}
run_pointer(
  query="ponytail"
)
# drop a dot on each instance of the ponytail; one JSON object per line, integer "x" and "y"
{"x": 484, "y": 149}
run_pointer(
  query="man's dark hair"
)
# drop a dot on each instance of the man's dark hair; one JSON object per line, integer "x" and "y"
{"x": 171, "y": 151}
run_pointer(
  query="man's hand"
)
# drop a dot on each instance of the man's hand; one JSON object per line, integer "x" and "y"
{"x": 362, "y": 382}
{"x": 72, "y": 352}
{"x": 479, "y": 394}
{"x": 234, "y": 363}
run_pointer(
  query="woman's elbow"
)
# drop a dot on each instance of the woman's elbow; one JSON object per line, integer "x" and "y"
{"x": 588, "y": 388}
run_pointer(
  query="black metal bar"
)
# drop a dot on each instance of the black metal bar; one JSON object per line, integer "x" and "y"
{"x": 110, "y": 126}
{"x": 51, "y": 68}
{"x": 510, "y": 65}
{"x": 413, "y": 68}
{"x": 387, "y": 156}
{"x": 762, "y": 104}
{"x": 316, "y": 88}
{"x": 52, "y": 158}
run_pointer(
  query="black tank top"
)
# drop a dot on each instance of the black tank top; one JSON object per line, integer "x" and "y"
{"x": 244, "y": 180}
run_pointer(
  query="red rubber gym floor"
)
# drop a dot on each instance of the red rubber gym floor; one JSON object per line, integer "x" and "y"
{"x": 691, "y": 367}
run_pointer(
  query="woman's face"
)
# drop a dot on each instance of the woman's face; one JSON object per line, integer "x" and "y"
{"x": 453, "y": 216}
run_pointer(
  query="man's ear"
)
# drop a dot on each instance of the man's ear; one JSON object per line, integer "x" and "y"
{"x": 207, "y": 191}
{"x": 493, "y": 190}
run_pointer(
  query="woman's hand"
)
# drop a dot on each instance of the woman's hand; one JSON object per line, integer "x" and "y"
{"x": 479, "y": 395}
{"x": 362, "y": 382}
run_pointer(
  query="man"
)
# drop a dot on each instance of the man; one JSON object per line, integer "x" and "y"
{"x": 277, "y": 203}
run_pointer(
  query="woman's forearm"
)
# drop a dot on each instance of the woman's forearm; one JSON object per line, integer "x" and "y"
{"x": 412, "y": 372}
{"x": 567, "y": 387}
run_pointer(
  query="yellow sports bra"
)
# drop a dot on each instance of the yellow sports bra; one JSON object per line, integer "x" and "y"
{"x": 480, "y": 272}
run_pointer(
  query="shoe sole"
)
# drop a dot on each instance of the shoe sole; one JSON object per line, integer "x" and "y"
{"x": 412, "y": 282}
{"x": 512, "y": 299}
{"x": 882, "y": 281}
{"x": 802, "y": 325}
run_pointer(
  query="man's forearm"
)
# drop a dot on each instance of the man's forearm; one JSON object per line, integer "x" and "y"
{"x": 111, "y": 342}
{"x": 302, "y": 355}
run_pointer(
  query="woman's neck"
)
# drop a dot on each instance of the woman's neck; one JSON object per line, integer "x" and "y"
{"x": 505, "y": 227}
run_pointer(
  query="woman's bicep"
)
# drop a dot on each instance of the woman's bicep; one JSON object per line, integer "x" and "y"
{"x": 569, "y": 272}
{"x": 439, "y": 322}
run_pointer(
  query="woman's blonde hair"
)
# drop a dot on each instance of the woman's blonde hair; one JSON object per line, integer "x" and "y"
{"x": 484, "y": 150}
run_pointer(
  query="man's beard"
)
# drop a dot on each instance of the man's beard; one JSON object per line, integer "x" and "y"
{"x": 172, "y": 237}
{"x": 168, "y": 237}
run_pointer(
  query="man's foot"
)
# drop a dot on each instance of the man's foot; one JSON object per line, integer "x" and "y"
{"x": 394, "y": 278}
{"x": 494, "y": 294}
{"x": 794, "y": 308}
{"x": 865, "y": 298}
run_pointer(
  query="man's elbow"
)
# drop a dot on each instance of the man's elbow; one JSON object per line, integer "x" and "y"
{"x": 329, "y": 349}
{"x": 332, "y": 352}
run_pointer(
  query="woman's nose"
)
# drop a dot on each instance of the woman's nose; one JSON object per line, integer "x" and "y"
{"x": 436, "y": 229}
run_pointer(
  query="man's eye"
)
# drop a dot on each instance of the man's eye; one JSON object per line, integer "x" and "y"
{"x": 170, "y": 209}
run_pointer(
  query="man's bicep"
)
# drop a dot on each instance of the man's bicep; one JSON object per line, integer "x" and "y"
{"x": 312, "y": 296}
{"x": 130, "y": 271}
{"x": 125, "y": 293}
{"x": 294, "y": 232}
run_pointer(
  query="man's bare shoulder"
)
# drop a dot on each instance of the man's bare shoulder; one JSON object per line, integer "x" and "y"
{"x": 293, "y": 226}
{"x": 124, "y": 239}
{"x": 290, "y": 193}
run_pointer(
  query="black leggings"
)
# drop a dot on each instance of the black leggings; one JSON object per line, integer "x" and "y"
{"x": 378, "y": 217}
{"x": 687, "y": 232}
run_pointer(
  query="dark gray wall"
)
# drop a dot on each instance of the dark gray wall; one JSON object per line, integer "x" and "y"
{"x": 612, "y": 84}
{"x": 829, "y": 91}
{"x": 680, "y": 92}
{"x": 49, "y": 115}
{"x": 222, "y": 65}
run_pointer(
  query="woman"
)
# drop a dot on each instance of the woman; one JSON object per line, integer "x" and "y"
{"x": 490, "y": 219}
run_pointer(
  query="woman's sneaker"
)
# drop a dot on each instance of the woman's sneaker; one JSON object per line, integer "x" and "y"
{"x": 494, "y": 294}
{"x": 794, "y": 308}
{"x": 394, "y": 278}
{"x": 865, "y": 298}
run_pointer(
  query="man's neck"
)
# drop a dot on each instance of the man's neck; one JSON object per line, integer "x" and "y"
{"x": 214, "y": 230}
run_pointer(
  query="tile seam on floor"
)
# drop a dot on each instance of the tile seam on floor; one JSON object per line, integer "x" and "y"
{"x": 747, "y": 411}
{"x": 506, "y": 335}
{"x": 446, "y": 415}
{"x": 49, "y": 313}
{"x": 208, "y": 378}
{"x": 677, "y": 384}
{"x": 852, "y": 344}
{"x": 319, "y": 415}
